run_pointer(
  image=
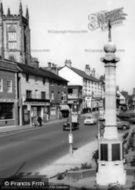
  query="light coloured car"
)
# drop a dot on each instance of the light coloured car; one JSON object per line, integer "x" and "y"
{"x": 89, "y": 120}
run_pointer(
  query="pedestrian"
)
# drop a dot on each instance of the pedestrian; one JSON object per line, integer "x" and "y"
{"x": 35, "y": 122}
{"x": 39, "y": 121}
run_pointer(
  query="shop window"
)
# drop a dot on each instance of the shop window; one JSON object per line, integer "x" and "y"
{"x": 9, "y": 86}
{"x": 104, "y": 152}
{"x": 6, "y": 111}
{"x": 1, "y": 85}
{"x": 115, "y": 152}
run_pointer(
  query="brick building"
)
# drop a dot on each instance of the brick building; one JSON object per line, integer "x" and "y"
{"x": 8, "y": 93}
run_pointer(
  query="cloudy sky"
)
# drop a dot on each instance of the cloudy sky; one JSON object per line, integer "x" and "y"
{"x": 59, "y": 31}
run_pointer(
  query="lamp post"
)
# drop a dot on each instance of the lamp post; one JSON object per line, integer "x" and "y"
{"x": 70, "y": 137}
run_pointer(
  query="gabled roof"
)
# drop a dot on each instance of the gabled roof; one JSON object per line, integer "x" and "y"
{"x": 84, "y": 75}
{"x": 39, "y": 72}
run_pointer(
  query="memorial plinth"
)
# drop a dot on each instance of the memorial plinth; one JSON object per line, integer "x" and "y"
{"x": 111, "y": 160}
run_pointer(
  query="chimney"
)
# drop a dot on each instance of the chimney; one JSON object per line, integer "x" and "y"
{"x": 68, "y": 63}
{"x": 87, "y": 69}
{"x": 34, "y": 62}
{"x": 49, "y": 65}
{"x": 133, "y": 91}
{"x": 93, "y": 72}
{"x": 54, "y": 68}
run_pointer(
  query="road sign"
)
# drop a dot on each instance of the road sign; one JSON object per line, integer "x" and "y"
{"x": 100, "y": 19}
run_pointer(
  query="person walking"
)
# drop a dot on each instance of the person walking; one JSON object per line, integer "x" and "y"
{"x": 35, "y": 122}
{"x": 39, "y": 121}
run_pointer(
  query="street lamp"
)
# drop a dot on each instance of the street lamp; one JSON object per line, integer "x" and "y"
{"x": 70, "y": 137}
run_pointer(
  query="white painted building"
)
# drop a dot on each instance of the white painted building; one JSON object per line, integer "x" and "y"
{"x": 92, "y": 88}
{"x": 33, "y": 94}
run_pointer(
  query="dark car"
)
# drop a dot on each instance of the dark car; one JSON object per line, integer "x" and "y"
{"x": 132, "y": 120}
{"x": 123, "y": 125}
{"x": 74, "y": 126}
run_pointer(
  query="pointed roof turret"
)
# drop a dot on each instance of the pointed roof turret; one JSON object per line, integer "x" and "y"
{"x": 20, "y": 9}
{"x": 8, "y": 12}
{"x": 27, "y": 13}
{"x": 1, "y": 9}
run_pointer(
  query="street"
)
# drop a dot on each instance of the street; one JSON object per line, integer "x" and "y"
{"x": 25, "y": 151}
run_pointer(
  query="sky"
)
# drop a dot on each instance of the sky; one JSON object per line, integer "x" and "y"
{"x": 59, "y": 31}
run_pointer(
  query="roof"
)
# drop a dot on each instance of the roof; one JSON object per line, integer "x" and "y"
{"x": 8, "y": 66}
{"x": 84, "y": 75}
{"x": 39, "y": 72}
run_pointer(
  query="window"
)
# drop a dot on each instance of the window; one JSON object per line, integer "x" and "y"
{"x": 70, "y": 91}
{"x": 27, "y": 77}
{"x": 12, "y": 58}
{"x": 28, "y": 94}
{"x": 1, "y": 85}
{"x": 6, "y": 111}
{"x": 36, "y": 78}
{"x": 44, "y": 81}
{"x": 43, "y": 95}
{"x": 9, "y": 86}
{"x": 115, "y": 152}
{"x": 52, "y": 95}
{"x": 52, "y": 82}
{"x": 12, "y": 40}
{"x": 104, "y": 152}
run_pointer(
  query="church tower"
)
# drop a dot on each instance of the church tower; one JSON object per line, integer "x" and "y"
{"x": 15, "y": 36}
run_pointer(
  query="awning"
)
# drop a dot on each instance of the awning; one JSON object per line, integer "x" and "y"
{"x": 64, "y": 107}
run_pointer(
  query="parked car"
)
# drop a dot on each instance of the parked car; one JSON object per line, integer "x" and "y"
{"x": 123, "y": 125}
{"x": 89, "y": 120}
{"x": 66, "y": 126}
{"x": 132, "y": 120}
{"x": 102, "y": 117}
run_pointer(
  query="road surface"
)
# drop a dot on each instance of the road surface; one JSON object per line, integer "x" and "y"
{"x": 25, "y": 151}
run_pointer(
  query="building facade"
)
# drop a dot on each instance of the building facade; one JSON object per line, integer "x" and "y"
{"x": 92, "y": 88}
{"x": 38, "y": 96}
{"x": 8, "y": 93}
{"x": 58, "y": 93}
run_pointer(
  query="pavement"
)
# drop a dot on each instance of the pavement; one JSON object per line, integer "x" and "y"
{"x": 5, "y": 129}
{"x": 70, "y": 161}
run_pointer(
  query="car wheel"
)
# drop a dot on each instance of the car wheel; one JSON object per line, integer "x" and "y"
{"x": 124, "y": 127}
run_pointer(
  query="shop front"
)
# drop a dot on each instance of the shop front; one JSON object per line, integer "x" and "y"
{"x": 8, "y": 113}
{"x": 33, "y": 109}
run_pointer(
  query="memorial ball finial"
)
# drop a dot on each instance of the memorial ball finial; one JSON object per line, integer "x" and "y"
{"x": 110, "y": 47}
